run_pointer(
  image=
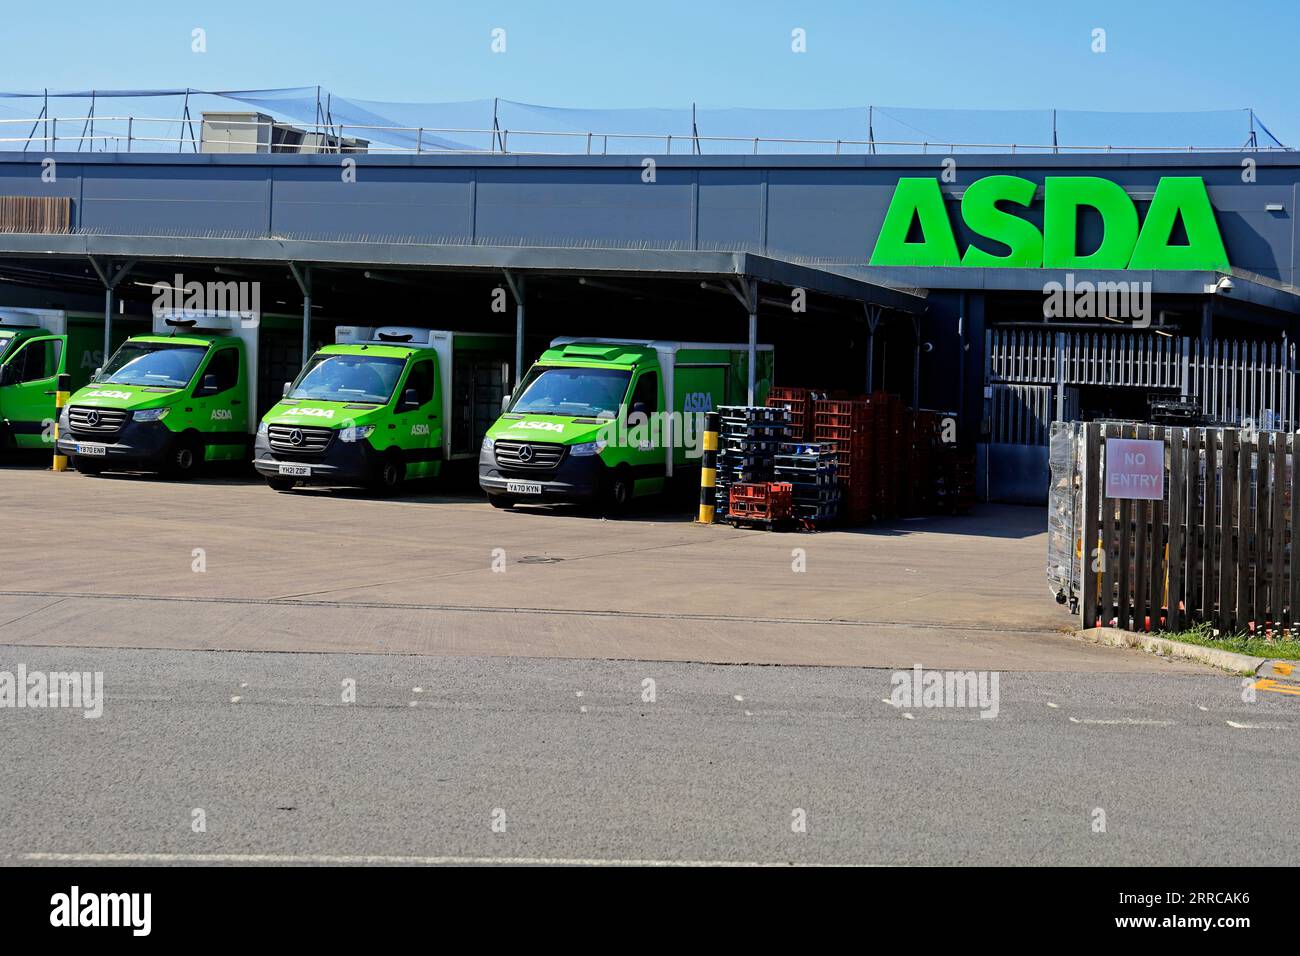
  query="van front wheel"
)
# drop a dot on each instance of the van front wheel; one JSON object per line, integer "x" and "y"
{"x": 186, "y": 457}
{"x": 390, "y": 475}
{"x": 618, "y": 491}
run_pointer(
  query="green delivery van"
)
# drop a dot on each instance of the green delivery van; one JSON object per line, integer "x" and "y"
{"x": 607, "y": 420}
{"x": 36, "y": 347}
{"x": 170, "y": 401}
{"x": 383, "y": 405}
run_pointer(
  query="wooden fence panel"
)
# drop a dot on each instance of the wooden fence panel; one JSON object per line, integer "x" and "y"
{"x": 1210, "y": 525}
{"x": 1216, "y": 548}
{"x": 1177, "y": 527}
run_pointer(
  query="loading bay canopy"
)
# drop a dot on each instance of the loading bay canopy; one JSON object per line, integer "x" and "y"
{"x": 742, "y": 274}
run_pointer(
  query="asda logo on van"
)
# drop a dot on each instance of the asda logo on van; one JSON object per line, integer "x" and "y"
{"x": 1179, "y": 231}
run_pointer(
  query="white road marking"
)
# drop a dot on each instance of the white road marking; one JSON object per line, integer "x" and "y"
{"x": 1126, "y": 721}
{"x": 582, "y": 710}
{"x": 738, "y": 697}
{"x": 909, "y": 717}
{"x": 378, "y": 860}
{"x": 236, "y": 700}
{"x": 1202, "y": 707}
{"x": 1053, "y": 706}
{"x": 1237, "y": 726}
{"x": 417, "y": 690}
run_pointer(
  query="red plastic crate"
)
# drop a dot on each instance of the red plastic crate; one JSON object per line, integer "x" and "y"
{"x": 768, "y": 501}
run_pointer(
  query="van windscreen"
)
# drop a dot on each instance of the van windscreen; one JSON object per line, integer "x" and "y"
{"x": 367, "y": 379}
{"x": 151, "y": 363}
{"x": 580, "y": 392}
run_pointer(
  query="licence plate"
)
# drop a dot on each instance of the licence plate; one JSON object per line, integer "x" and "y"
{"x": 91, "y": 449}
{"x": 298, "y": 471}
{"x": 524, "y": 487}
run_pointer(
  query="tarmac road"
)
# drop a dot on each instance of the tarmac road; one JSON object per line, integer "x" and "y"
{"x": 231, "y": 565}
{"x": 228, "y": 622}
{"x": 580, "y": 767}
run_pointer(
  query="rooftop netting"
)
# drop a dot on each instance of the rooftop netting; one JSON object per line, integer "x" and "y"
{"x": 171, "y": 121}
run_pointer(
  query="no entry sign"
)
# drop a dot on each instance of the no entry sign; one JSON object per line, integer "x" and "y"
{"x": 1135, "y": 468}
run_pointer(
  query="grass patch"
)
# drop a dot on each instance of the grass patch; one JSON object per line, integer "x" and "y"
{"x": 1203, "y": 635}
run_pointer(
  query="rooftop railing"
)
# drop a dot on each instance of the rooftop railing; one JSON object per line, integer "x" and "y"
{"x": 150, "y": 134}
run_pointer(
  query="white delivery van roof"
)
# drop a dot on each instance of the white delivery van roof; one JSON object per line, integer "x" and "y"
{"x": 185, "y": 320}
{"x": 387, "y": 335}
{"x": 659, "y": 345}
{"x": 54, "y": 321}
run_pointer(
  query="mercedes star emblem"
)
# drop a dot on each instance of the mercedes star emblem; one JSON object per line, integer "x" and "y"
{"x": 525, "y": 452}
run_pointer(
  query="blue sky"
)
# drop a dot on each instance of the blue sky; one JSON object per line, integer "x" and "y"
{"x": 1160, "y": 55}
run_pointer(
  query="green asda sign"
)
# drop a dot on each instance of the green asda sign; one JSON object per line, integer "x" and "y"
{"x": 984, "y": 209}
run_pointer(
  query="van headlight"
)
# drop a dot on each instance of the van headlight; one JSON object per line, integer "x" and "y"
{"x": 587, "y": 448}
{"x": 488, "y": 444}
{"x": 261, "y": 428}
{"x": 355, "y": 433}
{"x": 150, "y": 414}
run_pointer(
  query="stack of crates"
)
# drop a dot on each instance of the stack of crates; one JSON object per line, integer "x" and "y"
{"x": 919, "y": 486}
{"x": 954, "y": 481}
{"x": 748, "y": 443}
{"x": 852, "y": 425}
{"x": 812, "y": 471}
{"x": 799, "y": 403}
{"x": 891, "y": 454}
{"x": 766, "y": 503}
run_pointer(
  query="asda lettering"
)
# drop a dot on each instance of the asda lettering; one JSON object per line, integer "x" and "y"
{"x": 987, "y": 209}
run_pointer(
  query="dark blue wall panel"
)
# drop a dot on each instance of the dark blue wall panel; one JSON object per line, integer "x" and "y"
{"x": 610, "y": 205}
{"x": 731, "y": 208}
{"x": 824, "y": 207}
{"x": 315, "y": 200}
{"x": 174, "y": 199}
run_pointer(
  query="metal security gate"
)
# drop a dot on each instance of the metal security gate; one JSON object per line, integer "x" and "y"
{"x": 1020, "y": 419}
{"x": 1034, "y": 376}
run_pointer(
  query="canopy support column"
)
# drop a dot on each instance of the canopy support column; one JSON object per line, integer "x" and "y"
{"x": 516, "y": 284}
{"x": 746, "y": 292}
{"x": 302, "y": 275}
{"x": 874, "y": 313}
{"x": 110, "y": 277}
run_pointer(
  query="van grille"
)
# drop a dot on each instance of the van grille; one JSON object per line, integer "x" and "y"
{"x": 96, "y": 421}
{"x": 296, "y": 440}
{"x": 526, "y": 455}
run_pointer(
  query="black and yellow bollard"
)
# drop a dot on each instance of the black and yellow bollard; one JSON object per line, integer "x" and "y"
{"x": 709, "y": 468}
{"x": 63, "y": 390}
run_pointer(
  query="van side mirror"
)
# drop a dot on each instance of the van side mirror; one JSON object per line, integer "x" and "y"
{"x": 505, "y": 403}
{"x": 98, "y": 372}
{"x": 8, "y": 374}
{"x": 210, "y": 384}
{"x": 410, "y": 399}
{"x": 287, "y": 386}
